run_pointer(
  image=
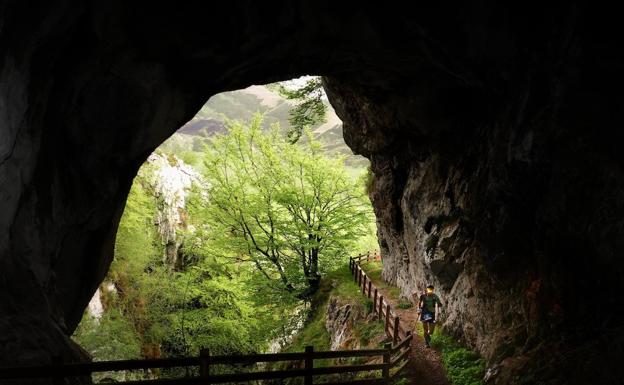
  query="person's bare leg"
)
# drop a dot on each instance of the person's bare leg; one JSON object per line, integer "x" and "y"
{"x": 431, "y": 328}
{"x": 426, "y": 332}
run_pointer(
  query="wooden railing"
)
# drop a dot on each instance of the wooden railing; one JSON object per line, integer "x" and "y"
{"x": 392, "y": 322}
{"x": 393, "y": 355}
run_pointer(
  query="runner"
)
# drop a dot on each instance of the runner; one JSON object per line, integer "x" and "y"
{"x": 429, "y": 307}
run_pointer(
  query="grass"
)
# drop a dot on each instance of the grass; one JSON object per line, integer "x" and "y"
{"x": 338, "y": 283}
{"x": 402, "y": 380}
{"x": 463, "y": 366}
{"x": 373, "y": 270}
{"x": 366, "y": 332}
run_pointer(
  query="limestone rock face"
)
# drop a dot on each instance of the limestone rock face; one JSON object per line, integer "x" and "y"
{"x": 339, "y": 322}
{"x": 493, "y": 130}
{"x": 507, "y": 199}
{"x": 171, "y": 181}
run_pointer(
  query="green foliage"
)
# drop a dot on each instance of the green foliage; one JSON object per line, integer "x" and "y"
{"x": 309, "y": 109}
{"x": 401, "y": 380}
{"x": 463, "y": 366}
{"x": 110, "y": 338}
{"x": 373, "y": 270}
{"x": 286, "y": 209}
{"x": 366, "y": 332}
{"x": 155, "y": 311}
{"x": 404, "y": 304}
{"x": 190, "y": 157}
{"x": 338, "y": 283}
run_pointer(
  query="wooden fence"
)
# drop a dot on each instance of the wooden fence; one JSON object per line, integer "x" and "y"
{"x": 381, "y": 307}
{"x": 393, "y": 355}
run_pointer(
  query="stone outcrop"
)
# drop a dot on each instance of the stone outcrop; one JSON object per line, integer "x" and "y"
{"x": 340, "y": 320}
{"x": 171, "y": 180}
{"x": 493, "y": 132}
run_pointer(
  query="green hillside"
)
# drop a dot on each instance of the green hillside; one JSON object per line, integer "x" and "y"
{"x": 242, "y": 105}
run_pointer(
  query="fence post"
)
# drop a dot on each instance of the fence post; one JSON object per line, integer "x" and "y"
{"x": 409, "y": 333}
{"x": 396, "y": 330}
{"x": 381, "y": 308}
{"x": 386, "y": 360}
{"x": 309, "y": 365}
{"x": 359, "y": 275}
{"x": 369, "y": 288}
{"x": 375, "y": 301}
{"x": 367, "y": 256}
{"x": 204, "y": 365}
{"x": 57, "y": 377}
{"x": 364, "y": 284}
{"x": 387, "y": 326}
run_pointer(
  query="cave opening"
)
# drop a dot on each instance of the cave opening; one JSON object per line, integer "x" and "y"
{"x": 492, "y": 131}
{"x": 174, "y": 286}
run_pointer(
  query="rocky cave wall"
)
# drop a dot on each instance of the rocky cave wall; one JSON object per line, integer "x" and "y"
{"x": 504, "y": 189}
{"x": 493, "y": 133}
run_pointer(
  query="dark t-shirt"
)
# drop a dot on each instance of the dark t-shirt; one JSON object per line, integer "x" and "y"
{"x": 429, "y": 301}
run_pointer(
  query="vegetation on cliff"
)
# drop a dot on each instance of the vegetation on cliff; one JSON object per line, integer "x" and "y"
{"x": 225, "y": 291}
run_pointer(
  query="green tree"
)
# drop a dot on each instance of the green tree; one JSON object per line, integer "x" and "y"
{"x": 287, "y": 209}
{"x": 309, "y": 108}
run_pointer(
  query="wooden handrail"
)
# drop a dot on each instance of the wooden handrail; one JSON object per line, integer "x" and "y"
{"x": 365, "y": 381}
{"x": 205, "y": 360}
{"x": 348, "y": 353}
{"x": 400, "y": 357}
{"x": 394, "y": 329}
{"x": 405, "y": 343}
{"x": 77, "y": 369}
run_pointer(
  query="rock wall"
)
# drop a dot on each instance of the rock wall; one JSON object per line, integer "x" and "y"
{"x": 509, "y": 200}
{"x": 340, "y": 320}
{"x": 171, "y": 181}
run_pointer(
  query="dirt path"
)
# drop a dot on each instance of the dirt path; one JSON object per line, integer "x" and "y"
{"x": 425, "y": 367}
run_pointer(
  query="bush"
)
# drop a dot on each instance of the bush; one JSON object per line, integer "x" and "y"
{"x": 463, "y": 367}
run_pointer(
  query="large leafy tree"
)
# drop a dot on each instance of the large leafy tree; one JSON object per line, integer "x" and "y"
{"x": 287, "y": 209}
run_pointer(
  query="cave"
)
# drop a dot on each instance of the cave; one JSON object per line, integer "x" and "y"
{"x": 493, "y": 133}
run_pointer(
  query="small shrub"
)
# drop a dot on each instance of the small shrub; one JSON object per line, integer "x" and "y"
{"x": 404, "y": 304}
{"x": 463, "y": 367}
{"x": 369, "y": 306}
{"x": 367, "y": 332}
{"x": 401, "y": 381}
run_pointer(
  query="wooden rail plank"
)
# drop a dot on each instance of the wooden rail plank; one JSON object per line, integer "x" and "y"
{"x": 167, "y": 381}
{"x": 400, "y": 368}
{"x": 348, "y": 353}
{"x": 347, "y": 369}
{"x": 400, "y": 357}
{"x": 86, "y": 368}
{"x": 405, "y": 342}
{"x": 366, "y": 381}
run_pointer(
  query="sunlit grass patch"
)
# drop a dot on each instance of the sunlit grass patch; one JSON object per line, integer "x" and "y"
{"x": 463, "y": 366}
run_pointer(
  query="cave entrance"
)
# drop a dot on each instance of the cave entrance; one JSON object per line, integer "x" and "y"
{"x": 188, "y": 272}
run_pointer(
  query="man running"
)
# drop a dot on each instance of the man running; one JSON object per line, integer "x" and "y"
{"x": 429, "y": 307}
